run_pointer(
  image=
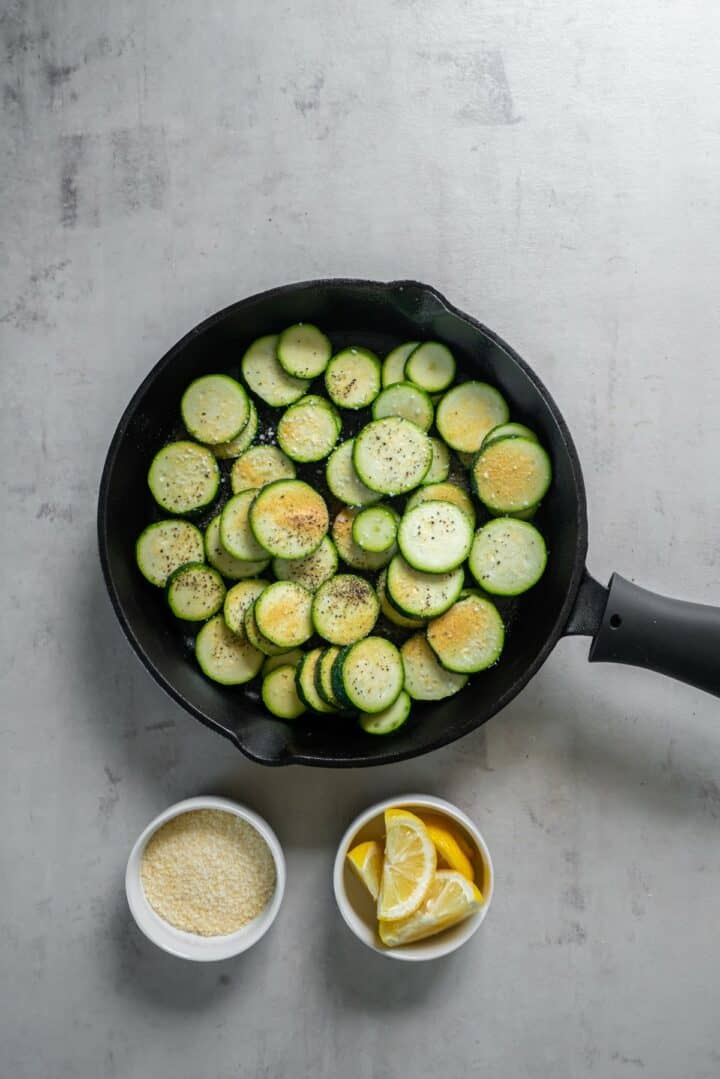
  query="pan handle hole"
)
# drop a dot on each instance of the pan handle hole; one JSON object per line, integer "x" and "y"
{"x": 615, "y": 621}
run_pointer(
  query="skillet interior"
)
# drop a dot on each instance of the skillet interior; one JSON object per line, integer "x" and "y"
{"x": 379, "y": 316}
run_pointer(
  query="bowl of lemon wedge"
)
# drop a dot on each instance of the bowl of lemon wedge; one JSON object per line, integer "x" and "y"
{"x": 413, "y": 877}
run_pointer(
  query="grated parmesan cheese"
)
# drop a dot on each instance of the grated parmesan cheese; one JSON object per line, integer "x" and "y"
{"x": 207, "y": 872}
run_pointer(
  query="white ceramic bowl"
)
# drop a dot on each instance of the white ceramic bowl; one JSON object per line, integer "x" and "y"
{"x": 355, "y": 904}
{"x": 190, "y": 945}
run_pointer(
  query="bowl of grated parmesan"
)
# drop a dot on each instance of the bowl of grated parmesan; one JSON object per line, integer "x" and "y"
{"x": 205, "y": 879}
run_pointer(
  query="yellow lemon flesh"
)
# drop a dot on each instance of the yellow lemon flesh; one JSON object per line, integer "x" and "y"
{"x": 450, "y": 899}
{"x": 409, "y": 865}
{"x": 452, "y": 848}
{"x": 366, "y": 862}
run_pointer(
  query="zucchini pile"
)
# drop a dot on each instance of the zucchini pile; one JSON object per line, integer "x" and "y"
{"x": 366, "y": 586}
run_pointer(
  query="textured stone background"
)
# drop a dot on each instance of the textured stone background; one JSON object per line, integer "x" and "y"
{"x": 553, "y": 167}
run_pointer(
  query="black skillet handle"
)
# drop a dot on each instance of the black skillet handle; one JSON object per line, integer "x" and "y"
{"x": 631, "y": 625}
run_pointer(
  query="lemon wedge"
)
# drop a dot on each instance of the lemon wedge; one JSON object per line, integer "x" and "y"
{"x": 453, "y": 850}
{"x": 366, "y": 861}
{"x": 450, "y": 899}
{"x": 409, "y": 865}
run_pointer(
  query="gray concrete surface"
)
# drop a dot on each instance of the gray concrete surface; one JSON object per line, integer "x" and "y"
{"x": 554, "y": 169}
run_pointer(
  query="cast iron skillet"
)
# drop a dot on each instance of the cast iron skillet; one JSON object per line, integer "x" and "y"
{"x": 627, "y": 624}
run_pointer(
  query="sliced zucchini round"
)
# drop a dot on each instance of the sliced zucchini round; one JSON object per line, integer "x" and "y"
{"x": 242, "y": 442}
{"x": 467, "y": 412}
{"x": 443, "y": 492}
{"x": 368, "y": 675}
{"x": 343, "y": 480}
{"x": 230, "y": 567}
{"x": 435, "y": 537}
{"x": 469, "y": 637}
{"x": 311, "y": 571}
{"x": 393, "y": 369}
{"x": 508, "y": 430}
{"x": 352, "y": 378}
{"x": 289, "y": 519}
{"x": 283, "y": 614}
{"x": 259, "y": 466}
{"x": 425, "y": 679}
{"x": 303, "y": 350}
{"x": 391, "y": 612}
{"x": 236, "y": 536}
{"x": 421, "y": 595}
{"x": 507, "y": 556}
{"x": 392, "y": 455}
{"x": 345, "y": 609}
{"x": 348, "y": 549}
{"x": 164, "y": 546}
{"x": 306, "y": 683}
{"x": 225, "y": 657}
{"x": 266, "y": 378}
{"x": 308, "y": 430}
{"x": 282, "y": 659}
{"x": 323, "y": 675}
{"x": 511, "y": 475}
{"x": 406, "y": 400}
{"x": 431, "y": 366}
{"x": 440, "y": 467}
{"x": 279, "y": 693}
{"x": 238, "y": 599}
{"x": 195, "y": 592}
{"x": 215, "y": 408}
{"x": 183, "y": 477}
{"x": 389, "y": 719}
{"x": 375, "y": 528}
{"x": 257, "y": 639}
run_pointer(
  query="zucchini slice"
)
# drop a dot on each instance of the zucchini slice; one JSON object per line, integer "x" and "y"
{"x": 225, "y": 657}
{"x": 368, "y": 675}
{"x": 375, "y": 528}
{"x": 289, "y": 519}
{"x": 243, "y": 441}
{"x": 431, "y": 366}
{"x": 230, "y": 567}
{"x": 164, "y": 546}
{"x": 343, "y": 480}
{"x": 421, "y": 595}
{"x": 352, "y": 378}
{"x": 183, "y": 477}
{"x": 406, "y": 400}
{"x": 345, "y": 609}
{"x": 443, "y": 492}
{"x": 303, "y": 350}
{"x": 311, "y": 571}
{"x": 236, "y": 536}
{"x": 257, "y": 639}
{"x": 511, "y": 475}
{"x": 435, "y": 537}
{"x": 393, "y": 369}
{"x": 195, "y": 592}
{"x": 392, "y": 455}
{"x": 507, "y": 557}
{"x": 392, "y": 613}
{"x": 266, "y": 378}
{"x": 306, "y": 685}
{"x": 469, "y": 637}
{"x": 467, "y": 412}
{"x": 283, "y": 614}
{"x": 283, "y": 659}
{"x": 323, "y": 675}
{"x": 389, "y": 719}
{"x": 308, "y": 430}
{"x": 508, "y": 430}
{"x": 215, "y": 408}
{"x": 238, "y": 599}
{"x": 259, "y": 466}
{"x": 425, "y": 679}
{"x": 348, "y": 549}
{"x": 279, "y": 693}
{"x": 440, "y": 466}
